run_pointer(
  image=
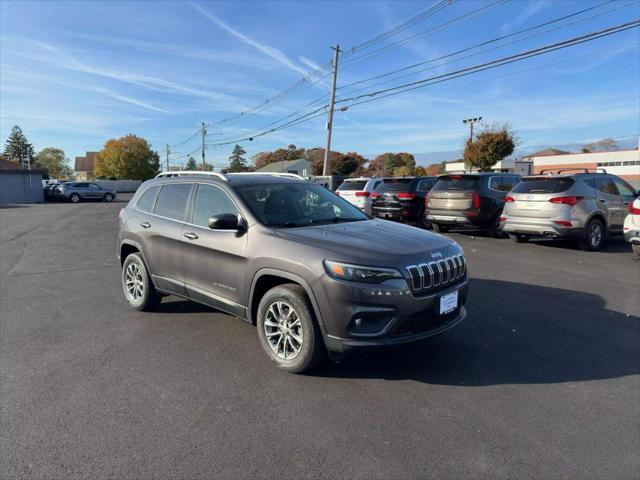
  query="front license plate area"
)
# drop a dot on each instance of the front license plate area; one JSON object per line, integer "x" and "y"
{"x": 448, "y": 303}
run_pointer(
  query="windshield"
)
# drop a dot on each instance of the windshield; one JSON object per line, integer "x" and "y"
{"x": 353, "y": 185}
{"x": 543, "y": 185}
{"x": 456, "y": 182}
{"x": 299, "y": 204}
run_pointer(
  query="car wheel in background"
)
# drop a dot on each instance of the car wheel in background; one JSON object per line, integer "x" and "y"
{"x": 74, "y": 198}
{"x": 495, "y": 227}
{"x": 438, "y": 227}
{"x": 519, "y": 238}
{"x": 136, "y": 284}
{"x": 593, "y": 236}
{"x": 287, "y": 329}
{"x": 636, "y": 249}
{"x": 108, "y": 197}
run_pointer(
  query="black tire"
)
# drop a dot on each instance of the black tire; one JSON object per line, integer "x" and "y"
{"x": 108, "y": 197}
{"x": 495, "y": 229}
{"x": 592, "y": 241}
{"x": 148, "y": 298}
{"x": 74, "y": 198}
{"x": 438, "y": 227}
{"x": 518, "y": 238}
{"x": 311, "y": 350}
{"x": 636, "y": 249}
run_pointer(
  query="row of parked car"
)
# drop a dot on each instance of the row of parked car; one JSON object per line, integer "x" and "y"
{"x": 586, "y": 207}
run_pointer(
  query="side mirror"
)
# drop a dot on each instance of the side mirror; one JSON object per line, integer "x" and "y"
{"x": 223, "y": 221}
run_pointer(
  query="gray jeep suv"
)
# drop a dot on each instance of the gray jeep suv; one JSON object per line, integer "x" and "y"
{"x": 314, "y": 273}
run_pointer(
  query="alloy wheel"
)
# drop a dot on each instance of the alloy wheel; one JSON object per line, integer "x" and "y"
{"x": 134, "y": 281}
{"x": 595, "y": 235}
{"x": 283, "y": 330}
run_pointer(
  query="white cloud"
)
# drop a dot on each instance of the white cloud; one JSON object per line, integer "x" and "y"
{"x": 533, "y": 7}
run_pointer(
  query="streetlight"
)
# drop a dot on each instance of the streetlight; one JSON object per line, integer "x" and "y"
{"x": 471, "y": 121}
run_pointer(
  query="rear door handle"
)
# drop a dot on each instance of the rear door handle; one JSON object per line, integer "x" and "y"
{"x": 191, "y": 236}
{"x": 145, "y": 224}
{"x": 602, "y": 201}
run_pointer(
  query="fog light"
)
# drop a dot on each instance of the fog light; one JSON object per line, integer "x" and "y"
{"x": 357, "y": 322}
{"x": 368, "y": 323}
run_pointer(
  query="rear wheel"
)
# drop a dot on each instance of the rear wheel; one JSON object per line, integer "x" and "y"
{"x": 287, "y": 329}
{"x": 440, "y": 228}
{"x": 136, "y": 284}
{"x": 593, "y": 236}
{"x": 519, "y": 238}
{"x": 495, "y": 227}
{"x": 75, "y": 198}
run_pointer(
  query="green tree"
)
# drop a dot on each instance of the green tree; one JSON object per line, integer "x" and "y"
{"x": 17, "y": 148}
{"x": 54, "y": 161}
{"x": 403, "y": 171}
{"x": 237, "y": 163}
{"x": 129, "y": 157}
{"x": 420, "y": 171}
{"x": 491, "y": 145}
{"x": 191, "y": 164}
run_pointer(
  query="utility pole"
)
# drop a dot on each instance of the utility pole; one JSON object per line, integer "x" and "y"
{"x": 204, "y": 133}
{"x": 327, "y": 151}
{"x": 471, "y": 121}
{"x": 168, "y": 151}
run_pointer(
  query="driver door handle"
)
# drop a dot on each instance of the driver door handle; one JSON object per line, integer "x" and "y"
{"x": 145, "y": 224}
{"x": 191, "y": 236}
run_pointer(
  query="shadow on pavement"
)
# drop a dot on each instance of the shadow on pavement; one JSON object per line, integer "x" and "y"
{"x": 514, "y": 334}
{"x": 611, "y": 245}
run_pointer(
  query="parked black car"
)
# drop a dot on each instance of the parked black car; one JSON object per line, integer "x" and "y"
{"x": 77, "y": 191}
{"x": 402, "y": 199}
{"x": 469, "y": 200}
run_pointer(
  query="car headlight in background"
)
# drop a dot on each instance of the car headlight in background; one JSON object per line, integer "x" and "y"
{"x": 357, "y": 273}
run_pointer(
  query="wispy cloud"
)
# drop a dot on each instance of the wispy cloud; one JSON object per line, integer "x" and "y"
{"x": 533, "y": 7}
{"x": 130, "y": 100}
{"x": 276, "y": 54}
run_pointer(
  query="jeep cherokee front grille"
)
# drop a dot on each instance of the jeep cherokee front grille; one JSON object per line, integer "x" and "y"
{"x": 436, "y": 274}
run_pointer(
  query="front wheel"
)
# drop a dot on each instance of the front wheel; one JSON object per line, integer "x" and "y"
{"x": 136, "y": 284}
{"x": 75, "y": 198}
{"x": 593, "y": 236}
{"x": 287, "y": 329}
{"x": 108, "y": 197}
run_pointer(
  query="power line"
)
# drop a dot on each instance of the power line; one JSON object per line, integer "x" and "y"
{"x": 450, "y": 76}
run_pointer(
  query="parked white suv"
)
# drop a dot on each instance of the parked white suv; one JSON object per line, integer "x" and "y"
{"x": 357, "y": 191}
{"x": 632, "y": 226}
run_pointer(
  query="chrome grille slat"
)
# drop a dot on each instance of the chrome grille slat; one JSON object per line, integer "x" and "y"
{"x": 427, "y": 276}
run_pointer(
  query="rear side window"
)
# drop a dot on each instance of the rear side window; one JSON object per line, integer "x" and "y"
{"x": 457, "y": 182}
{"x": 503, "y": 183}
{"x": 355, "y": 185}
{"x": 395, "y": 185}
{"x": 605, "y": 185}
{"x": 172, "y": 200}
{"x": 210, "y": 201}
{"x": 146, "y": 200}
{"x": 543, "y": 185}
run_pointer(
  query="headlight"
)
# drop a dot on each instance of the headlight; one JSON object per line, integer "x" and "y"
{"x": 356, "y": 273}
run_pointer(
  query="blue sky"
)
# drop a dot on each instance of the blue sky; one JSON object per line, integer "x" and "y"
{"x": 74, "y": 74}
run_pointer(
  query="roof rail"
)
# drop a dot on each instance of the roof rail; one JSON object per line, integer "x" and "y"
{"x": 550, "y": 171}
{"x": 275, "y": 174}
{"x": 187, "y": 173}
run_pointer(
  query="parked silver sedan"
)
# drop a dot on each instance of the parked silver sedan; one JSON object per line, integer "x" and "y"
{"x": 585, "y": 207}
{"x": 77, "y": 191}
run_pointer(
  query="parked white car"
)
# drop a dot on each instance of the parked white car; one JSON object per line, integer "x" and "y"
{"x": 357, "y": 191}
{"x": 631, "y": 226}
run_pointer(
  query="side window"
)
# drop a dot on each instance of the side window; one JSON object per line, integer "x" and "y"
{"x": 591, "y": 182}
{"x": 172, "y": 200}
{"x": 146, "y": 200}
{"x": 210, "y": 200}
{"x": 80, "y": 185}
{"x": 605, "y": 185}
{"x": 500, "y": 184}
{"x": 425, "y": 185}
{"x": 93, "y": 186}
{"x": 509, "y": 182}
{"x": 624, "y": 188}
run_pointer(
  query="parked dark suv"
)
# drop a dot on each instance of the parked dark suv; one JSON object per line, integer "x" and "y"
{"x": 469, "y": 200}
{"x": 312, "y": 271}
{"x": 402, "y": 199}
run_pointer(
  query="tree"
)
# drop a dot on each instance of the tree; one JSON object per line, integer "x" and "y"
{"x": 421, "y": 171}
{"x": 388, "y": 163}
{"x": 260, "y": 159}
{"x": 17, "y": 148}
{"x": 192, "y": 164}
{"x": 492, "y": 144}
{"x": 54, "y": 161}
{"x": 604, "y": 145}
{"x": 129, "y": 157}
{"x": 237, "y": 162}
{"x": 436, "y": 169}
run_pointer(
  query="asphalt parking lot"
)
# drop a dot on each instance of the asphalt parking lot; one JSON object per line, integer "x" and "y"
{"x": 542, "y": 380}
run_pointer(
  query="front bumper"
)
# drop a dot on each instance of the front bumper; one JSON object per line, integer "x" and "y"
{"x": 405, "y": 317}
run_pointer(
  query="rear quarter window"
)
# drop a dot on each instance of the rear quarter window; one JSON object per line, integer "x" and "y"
{"x": 145, "y": 203}
{"x": 543, "y": 185}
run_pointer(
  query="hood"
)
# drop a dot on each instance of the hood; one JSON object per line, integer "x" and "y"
{"x": 379, "y": 240}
